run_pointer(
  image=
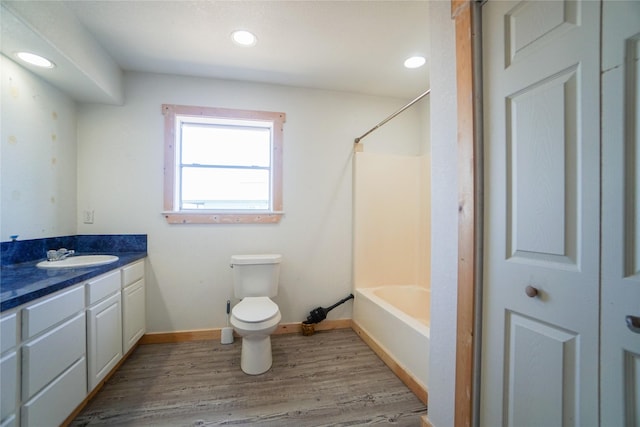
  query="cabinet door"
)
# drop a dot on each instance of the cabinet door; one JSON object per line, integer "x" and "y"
{"x": 134, "y": 314}
{"x": 104, "y": 326}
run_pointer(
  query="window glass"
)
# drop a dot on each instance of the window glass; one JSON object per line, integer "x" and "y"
{"x": 205, "y": 188}
{"x": 222, "y": 165}
{"x": 226, "y": 145}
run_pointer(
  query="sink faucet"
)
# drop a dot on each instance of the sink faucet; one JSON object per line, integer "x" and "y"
{"x": 60, "y": 254}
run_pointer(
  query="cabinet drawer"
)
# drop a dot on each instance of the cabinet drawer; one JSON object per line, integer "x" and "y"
{"x": 47, "y": 356}
{"x": 42, "y": 315}
{"x": 132, "y": 273}
{"x": 8, "y": 384}
{"x": 8, "y": 332}
{"x": 103, "y": 286}
{"x": 53, "y": 405}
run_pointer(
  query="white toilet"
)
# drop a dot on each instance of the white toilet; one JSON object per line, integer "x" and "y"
{"x": 255, "y": 317}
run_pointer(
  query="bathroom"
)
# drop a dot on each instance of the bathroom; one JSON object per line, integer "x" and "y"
{"x": 112, "y": 168}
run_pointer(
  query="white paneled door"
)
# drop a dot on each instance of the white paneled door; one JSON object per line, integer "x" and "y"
{"x": 620, "y": 328}
{"x": 542, "y": 213}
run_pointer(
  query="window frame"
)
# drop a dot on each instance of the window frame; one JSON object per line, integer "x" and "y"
{"x": 172, "y": 212}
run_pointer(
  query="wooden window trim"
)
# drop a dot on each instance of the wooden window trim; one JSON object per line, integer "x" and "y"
{"x": 174, "y": 216}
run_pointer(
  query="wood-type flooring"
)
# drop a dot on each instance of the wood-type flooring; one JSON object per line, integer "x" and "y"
{"x": 331, "y": 378}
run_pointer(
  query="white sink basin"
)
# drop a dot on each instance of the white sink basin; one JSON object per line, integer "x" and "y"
{"x": 79, "y": 261}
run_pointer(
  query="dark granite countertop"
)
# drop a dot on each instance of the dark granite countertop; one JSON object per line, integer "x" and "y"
{"x": 24, "y": 282}
{"x": 21, "y": 281}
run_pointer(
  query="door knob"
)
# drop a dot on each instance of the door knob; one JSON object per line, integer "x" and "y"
{"x": 531, "y": 291}
{"x": 633, "y": 323}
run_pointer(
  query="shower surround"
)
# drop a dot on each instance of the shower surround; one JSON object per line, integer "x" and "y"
{"x": 391, "y": 261}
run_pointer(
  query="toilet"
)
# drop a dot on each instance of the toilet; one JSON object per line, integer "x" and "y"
{"x": 255, "y": 317}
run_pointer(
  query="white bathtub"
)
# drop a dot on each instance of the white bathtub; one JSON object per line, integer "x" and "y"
{"x": 396, "y": 318}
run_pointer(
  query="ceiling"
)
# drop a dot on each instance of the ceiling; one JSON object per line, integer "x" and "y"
{"x": 354, "y": 46}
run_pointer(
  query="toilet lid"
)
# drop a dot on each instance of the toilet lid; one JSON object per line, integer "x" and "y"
{"x": 255, "y": 309}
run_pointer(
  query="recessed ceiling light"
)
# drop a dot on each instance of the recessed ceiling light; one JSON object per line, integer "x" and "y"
{"x": 244, "y": 38}
{"x": 415, "y": 62}
{"x": 34, "y": 59}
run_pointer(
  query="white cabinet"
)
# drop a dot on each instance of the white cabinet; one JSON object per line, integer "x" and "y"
{"x": 9, "y": 369}
{"x": 47, "y": 312}
{"x": 58, "y": 399}
{"x": 54, "y": 376}
{"x": 104, "y": 326}
{"x": 55, "y": 350}
{"x": 51, "y": 353}
{"x": 133, "y": 305}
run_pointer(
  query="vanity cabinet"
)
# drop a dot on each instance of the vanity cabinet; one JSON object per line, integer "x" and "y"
{"x": 9, "y": 369}
{"x": 104, "y": 326}
{"x": 133, "y": 305}
{"x": 57, "y": 349}
{"x": 54, "y": 375}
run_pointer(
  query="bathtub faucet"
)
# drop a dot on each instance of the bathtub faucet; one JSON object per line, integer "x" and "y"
{"x": 60, "y": 254}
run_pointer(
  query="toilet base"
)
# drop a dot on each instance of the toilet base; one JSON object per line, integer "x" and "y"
{"x": 255, "y": 358}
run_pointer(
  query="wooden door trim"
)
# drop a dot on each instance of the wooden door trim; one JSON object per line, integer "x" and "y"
{"x": 462, "y": 11}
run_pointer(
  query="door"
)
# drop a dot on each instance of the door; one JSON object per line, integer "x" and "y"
{"x": 542, "y": 200}
{"x": 620, "y": 342}
{"x": 133, "y": 314}
{"x": 104, "y": 332}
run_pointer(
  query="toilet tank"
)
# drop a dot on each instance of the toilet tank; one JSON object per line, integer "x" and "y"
{"x": 256, "y": 275}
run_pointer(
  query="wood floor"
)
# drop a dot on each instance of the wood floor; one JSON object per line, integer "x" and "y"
{"x": 331, "y": 378}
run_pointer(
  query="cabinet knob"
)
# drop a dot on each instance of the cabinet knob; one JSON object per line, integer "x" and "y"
{"x": 531, "y": 291}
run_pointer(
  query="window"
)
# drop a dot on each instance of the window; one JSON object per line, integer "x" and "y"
{"x": 222, "y": 165}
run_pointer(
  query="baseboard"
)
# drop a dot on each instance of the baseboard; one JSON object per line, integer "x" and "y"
{"x": 180, "y": 336}
{"x": 214, "y": 334}
{"x": 400, "y": 372}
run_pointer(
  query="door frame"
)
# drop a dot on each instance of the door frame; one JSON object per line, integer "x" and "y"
{"x": 466, "y": 14}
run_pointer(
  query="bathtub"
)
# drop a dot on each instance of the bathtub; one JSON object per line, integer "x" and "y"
{"x": 395, "y": 318}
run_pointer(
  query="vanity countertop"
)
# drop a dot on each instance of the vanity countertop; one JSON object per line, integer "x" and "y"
{"x": 24, "y": 282}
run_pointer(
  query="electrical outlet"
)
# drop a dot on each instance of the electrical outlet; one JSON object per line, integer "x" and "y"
{"x": 87, "y": 217}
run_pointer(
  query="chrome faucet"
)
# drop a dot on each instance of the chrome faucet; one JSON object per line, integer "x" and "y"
{"x": 60, "y": 254}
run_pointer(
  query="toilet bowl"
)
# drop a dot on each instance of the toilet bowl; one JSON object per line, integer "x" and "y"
{"x": 255, "y": 319}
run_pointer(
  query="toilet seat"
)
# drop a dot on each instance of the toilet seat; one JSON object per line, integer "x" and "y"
{"x": 255, "y": 309}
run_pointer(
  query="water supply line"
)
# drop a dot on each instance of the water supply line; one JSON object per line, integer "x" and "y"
{"x": 357, "y": 140}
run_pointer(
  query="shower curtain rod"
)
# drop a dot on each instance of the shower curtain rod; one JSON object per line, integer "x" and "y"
{"x": 357, "y": 140}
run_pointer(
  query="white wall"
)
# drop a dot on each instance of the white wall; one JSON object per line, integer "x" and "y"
{"x": 120, "y": 177}
{"x": 444, "y": 217}
{"x": 38, "y": 155}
